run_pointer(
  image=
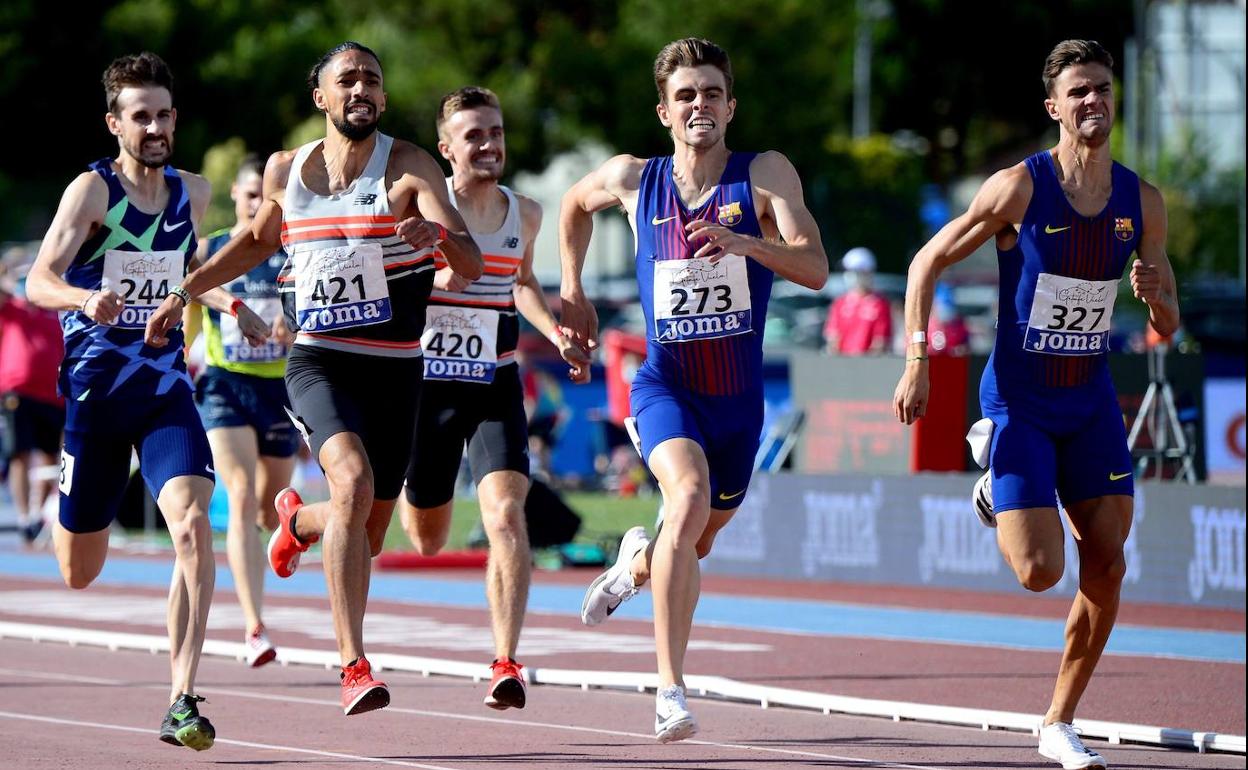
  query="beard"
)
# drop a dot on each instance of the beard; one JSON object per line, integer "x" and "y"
{"x": 148, "y": 155}
{"x": 354, "y": 131}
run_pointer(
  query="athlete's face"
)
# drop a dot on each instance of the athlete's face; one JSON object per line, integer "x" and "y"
{"x": 1082, "y": 102}
{"x": 246, "y": 194}
{"x": 474, "y": 142}
{"x": 696, "y": 106}
{"x": 143, "y": 124}
{"x": 350, "y": 94}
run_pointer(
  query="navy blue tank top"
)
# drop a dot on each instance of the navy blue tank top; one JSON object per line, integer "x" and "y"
{"x": 704, "y": 322}
{"x": 140, "y": 256}
{"x": 1060, "y": 280}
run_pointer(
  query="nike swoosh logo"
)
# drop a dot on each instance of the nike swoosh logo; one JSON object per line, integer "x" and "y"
{"x": 181, "y": 715}
{"x": 165, "y": 226}
{"x": 1116, "y": 476}
{"x": 722, "y": 496}
{"x": 657, "y": 221}
{"x": 1050, "y": 229}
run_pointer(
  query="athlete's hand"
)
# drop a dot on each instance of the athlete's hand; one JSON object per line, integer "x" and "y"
{"x": 447, "y": 279}
{"x": 1145, "y": 282}
{"x": 910, "y": 398}
{"x": 252, "y": 326}
{"x": 578, "y": 361}
{"x": 104, "y": 307}
{"x": 578, "y": 320}
{"x": 282, "y": 334}
{"x": 419, "y": 233}
{"x": 165, "y": 318}
{"x": 720, "y": 241}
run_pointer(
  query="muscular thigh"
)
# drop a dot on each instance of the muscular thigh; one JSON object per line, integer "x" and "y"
{"x": 1094, "y": 461}
{"x": 1023, "y": 462}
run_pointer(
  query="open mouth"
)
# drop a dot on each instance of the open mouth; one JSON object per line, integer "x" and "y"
{"x": 1092, "y": 117}
{"x": 360, "y": 108}
{"x": 705, "y": 124}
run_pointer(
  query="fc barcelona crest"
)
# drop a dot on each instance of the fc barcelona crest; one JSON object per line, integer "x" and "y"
{"x": 730, "y": 214}
{"x": 1123, "y": 228}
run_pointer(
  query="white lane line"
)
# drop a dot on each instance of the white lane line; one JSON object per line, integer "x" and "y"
{"x": 244, "y": 744}
{"x": 512, "y": 723}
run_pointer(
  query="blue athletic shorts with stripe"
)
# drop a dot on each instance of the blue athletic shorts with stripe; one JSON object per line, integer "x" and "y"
{"x": 99, "y": 435}
{"x": 1069, "y": 443}
{"x": 728, "y": 428}
{"x": 231, "y": 400}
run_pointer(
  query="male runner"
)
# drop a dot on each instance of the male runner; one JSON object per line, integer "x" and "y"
{"x": 712, "y": 226}
{"x": 472, "y": 392}
{"x": 1066, "y": 220}
{"x": 350, "y": 211}
{"x": 122, "y": 237}
{"x": 242, "y": 400}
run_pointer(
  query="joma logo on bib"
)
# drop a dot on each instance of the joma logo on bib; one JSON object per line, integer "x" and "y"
{"x": 671, "y": 329}
{"x": 355, "y": 314}
{"x": 1055, "y": 342}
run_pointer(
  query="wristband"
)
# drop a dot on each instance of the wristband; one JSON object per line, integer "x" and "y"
{"x": 182, "y": 294}
{"x": 83, "y": 309}
{"x": 555, "y": 337}
{"x": 234, "y": 306}
{"x": 442, "y": 233}
{"x": 918, "y": 338}
{"x": 916, "y": 358}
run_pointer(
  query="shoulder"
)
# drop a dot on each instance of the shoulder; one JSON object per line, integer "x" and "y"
{"x": 773, "y": 172}
{"x": 87, "y": 193}
{"x": 197, "y": 187}
{"x": 409, "y": 158}
{"x": 1006, "y": 193}
{"x": 1150, "y": 198}
{"x": 622, "y": 171}
{"x": 277, "y": 167}
{"x": 530, "y": 212}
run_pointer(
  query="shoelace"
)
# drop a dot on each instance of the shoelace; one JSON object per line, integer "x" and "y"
{"x": 1070, "y": 737}
{"x": 507, "y": 666}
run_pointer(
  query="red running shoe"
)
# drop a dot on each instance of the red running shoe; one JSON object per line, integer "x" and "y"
{"x": 284, "y": 545}
{"x": 507, "y": 686}
{"x": 360, "y": 692}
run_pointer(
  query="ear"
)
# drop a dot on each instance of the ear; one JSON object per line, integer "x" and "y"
{"x": 381, "y": 104}
{"x": 318, "y": 99}
{"x": 173, "y": 118}
{"x": 1050, "y": 107}
{"x": 664, "y": 117}
{"x": 234, "y": 192}
{"x": 114, "y": 125}
{"x": 732, "y": 110}
{"x": 444, "y": 150}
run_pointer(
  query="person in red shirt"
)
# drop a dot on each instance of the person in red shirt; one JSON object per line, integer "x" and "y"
{"x": 34, "y": 413}
{"x": 860, "y": 321}
{"x": 947, "y": 334}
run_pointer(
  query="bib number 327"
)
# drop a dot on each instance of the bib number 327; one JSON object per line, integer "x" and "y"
{"x": 1070, "y": 316}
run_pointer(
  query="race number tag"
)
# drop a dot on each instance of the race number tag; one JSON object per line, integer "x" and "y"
{"x": 340, "y": 287}
{"x": 236, "y": 347}
{"x": 143, "y": 278}
{"x": 460, "y": 343}
{"x": 1070, "y": 316}
{"x": 697, "y": 300}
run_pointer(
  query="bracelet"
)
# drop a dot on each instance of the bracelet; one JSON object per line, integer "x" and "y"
{"x": 918, "y": 338}
{"x": 917, "y": 358}
{"x": 83, "y": 309}
{"x": 234, "y": 306}
{"x": 182, "y": 294}
{"x": 442, "y": 233}
{"x": 555, "y": 337}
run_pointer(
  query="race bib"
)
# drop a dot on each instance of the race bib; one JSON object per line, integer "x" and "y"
{"x": 1070, "y": 316}
{"x": 236, "y": 347}
{"x": 697, "y": 300}
{"x": 460, "y": 343}
{"x": 340, "y": 287}
{"x": 143, "y": 278}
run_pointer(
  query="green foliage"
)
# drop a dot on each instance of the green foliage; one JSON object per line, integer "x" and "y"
{"x": 221, "y": 163}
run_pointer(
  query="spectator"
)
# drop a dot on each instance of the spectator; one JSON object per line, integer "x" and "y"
{"x": 859, "y": 321}
{"x": 947, "y": 334}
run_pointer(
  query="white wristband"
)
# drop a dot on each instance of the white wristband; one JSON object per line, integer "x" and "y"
{"x": 918, "y": 338}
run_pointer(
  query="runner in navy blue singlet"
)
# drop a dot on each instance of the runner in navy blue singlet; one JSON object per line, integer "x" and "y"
{"x": 712, "y": 227}
{"x": 1066, "y": 222}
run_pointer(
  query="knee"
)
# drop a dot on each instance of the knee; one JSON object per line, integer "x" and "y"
{"x": 505, "y": 523}
{"x": 1102, "y": 577}
{"x": 353, "y": 492}
{"x": 78, "y": 577}
{"x": 704, "y": 546}
{"x": 686, "y": 511}
{"x": 192, "y": 536}
{"x": 1039, "y": 572}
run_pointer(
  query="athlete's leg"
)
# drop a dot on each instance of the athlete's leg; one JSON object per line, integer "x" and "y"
{"x": 80, "y": 555}
{"x": 19, "y": 485}
{"x": 1100, "y": 527}
{"x": 235, "y": 454}
{"x": 183, "y": 500}
{"x": 502, "y": 495}
{"x": 1033, "y": 543}
{"x": 272, "y": 476}
{"x": 340, "y": 522}
{"x": 718, "y": 520}
{"x": 680, "y": 466}
{"x": 427, "y": 528}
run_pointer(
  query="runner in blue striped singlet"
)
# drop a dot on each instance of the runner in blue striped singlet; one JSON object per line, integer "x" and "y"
{"x": 1066, "y": 222}
{"x": 121, "y": 239}
{"x": 711, "y": 227}
{"x": 360, "y": 216}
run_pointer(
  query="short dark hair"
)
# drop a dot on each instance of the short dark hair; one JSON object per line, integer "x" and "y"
{"x": 314, "y": 76}
{"x": 135, "y": 70}
{"x": 1069, "y": 53}
{"x": 465, "y": 98}
{"x": 689, "y": 52}
{"x": 251, "y": 164}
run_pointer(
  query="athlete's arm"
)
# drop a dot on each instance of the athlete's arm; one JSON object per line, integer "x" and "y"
{"x": 1152, "y": 278}
{"x": 244, "y": 251}
{"x": 531, "y": 300}
{"x": 420, "y": 174}
{"x": 614, "y": 183}
{"x": 798, "y": 255}
{"x": 1000, "y": 202}
{"x": 82, "y": 209}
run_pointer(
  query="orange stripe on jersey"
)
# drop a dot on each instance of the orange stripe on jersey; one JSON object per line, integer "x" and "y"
{"x": 510, "y": 270}
{"x": 416, "y": 261}
{"x": 335, "y": 232}
{"x": 355, "y": 220}
{"x": 502, "y": 259}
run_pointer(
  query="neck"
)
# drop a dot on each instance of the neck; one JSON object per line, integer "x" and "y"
{"x": 699, "y": 168}
{"x": 146, "y": 181}
{"x": 345, "y": 158}
{"x": 477, "y": 194}
{"x": 1082, "y": 163}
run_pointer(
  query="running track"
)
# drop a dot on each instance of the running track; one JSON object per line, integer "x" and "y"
{"x": 64, "y": 706}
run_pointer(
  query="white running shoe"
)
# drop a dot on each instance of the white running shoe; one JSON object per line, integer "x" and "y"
{"x": 259, "y": 649}
{"x": 981, "y": 500}
{"x": 615, "y": 586}
{"x": 1061, "y": 743}
{"x": 672, "y": 720}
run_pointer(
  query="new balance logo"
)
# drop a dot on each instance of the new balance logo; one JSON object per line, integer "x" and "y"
{"x": 511, "y": 243}
{"x": 365, "y": 199}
